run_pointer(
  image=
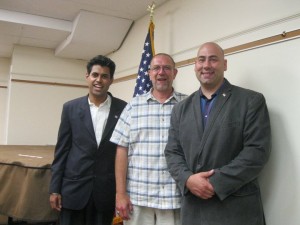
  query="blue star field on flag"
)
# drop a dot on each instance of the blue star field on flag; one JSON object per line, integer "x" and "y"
{"x": 143, "y": 82}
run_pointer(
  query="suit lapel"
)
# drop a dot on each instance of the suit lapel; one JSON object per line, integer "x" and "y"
{"x": 112, "y": 119}
{"x": 85, "y": 116}
{"x": 198, "y": 114}
{"x": 214, "y": 114}
{"x": 222, "y": 98}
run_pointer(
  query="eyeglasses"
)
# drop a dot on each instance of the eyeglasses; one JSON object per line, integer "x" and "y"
{"x": 164, "y": 68}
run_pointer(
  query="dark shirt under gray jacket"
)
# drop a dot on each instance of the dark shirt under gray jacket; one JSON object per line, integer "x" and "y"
{"x": 235, "y": 143}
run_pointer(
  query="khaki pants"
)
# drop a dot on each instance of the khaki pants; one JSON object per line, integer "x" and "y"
{"x": 151, "y": 216}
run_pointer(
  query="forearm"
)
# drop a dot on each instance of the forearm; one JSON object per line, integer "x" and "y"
{"x": 252, "y": 155}
{"x": 121, "y": 169}
{"x": 241, "y": 171}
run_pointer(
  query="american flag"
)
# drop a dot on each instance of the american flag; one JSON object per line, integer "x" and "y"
{"x": 143, "y": 82}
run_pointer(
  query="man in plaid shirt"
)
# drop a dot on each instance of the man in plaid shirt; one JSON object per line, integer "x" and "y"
{"x": 145, "y": 191}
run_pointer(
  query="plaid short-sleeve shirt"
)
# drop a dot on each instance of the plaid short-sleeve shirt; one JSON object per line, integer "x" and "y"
{"x": 143, "y": 129}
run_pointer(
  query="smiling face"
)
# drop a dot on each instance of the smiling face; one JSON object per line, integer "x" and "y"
{"x": 98, "y": 80}
{"x": 210, "y": 66}
{"x": 162, "y": 73}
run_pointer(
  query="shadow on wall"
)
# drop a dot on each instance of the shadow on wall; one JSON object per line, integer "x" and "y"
{"x": 277, "y": 180}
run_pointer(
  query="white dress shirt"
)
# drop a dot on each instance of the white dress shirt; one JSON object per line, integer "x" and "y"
{"x": 99, "y": 117}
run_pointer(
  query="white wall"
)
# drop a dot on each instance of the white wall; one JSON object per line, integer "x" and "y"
{"x": 181, "y": 26}
{"x": 35, "y": 108}
{"x": 274, "y": 71}
{"x": 4, "y": 77}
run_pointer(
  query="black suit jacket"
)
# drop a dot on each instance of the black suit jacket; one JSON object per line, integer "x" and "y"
{"x": 81, "y": 169}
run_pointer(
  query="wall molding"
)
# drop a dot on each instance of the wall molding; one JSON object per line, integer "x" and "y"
{"x": 284, "y": 36}
{"x": 48, "y": 83}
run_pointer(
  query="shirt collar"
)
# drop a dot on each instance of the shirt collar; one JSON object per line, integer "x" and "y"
{"x": 214, "y": 94}
{"x": 107, "y": 102}
{"x": 175, "y": 95}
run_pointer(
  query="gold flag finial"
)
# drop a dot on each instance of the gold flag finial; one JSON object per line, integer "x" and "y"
{"x": 151, "y": 9}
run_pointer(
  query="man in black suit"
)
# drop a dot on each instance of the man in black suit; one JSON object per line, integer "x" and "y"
{"x": 82, "y": 186}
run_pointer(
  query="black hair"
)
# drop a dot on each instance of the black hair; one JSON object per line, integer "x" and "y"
{"x": 102, "y": 61}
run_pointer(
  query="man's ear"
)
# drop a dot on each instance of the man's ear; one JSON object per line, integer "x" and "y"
{"x": 225, "y": 64}
{"x": 175, "y": 73}
{"x": 111, "y": 80}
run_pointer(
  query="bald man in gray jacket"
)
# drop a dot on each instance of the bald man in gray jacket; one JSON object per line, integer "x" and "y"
{"x": 219, "y": 141}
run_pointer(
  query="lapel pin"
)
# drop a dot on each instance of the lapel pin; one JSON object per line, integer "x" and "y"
{"x": 116, "y": 117}
{"x": 224, "y": 94}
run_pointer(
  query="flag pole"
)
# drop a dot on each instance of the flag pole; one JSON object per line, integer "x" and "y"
{"x": 151, "y": 25}
{"x": 143, "y": 82}
{"x": 151, "y": 10}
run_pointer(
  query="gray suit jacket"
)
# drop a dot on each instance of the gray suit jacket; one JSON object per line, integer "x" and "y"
{"x": 235, "y": 143}
{"x": 81, "y": 169}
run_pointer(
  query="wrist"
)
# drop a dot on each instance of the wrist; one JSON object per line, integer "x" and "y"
{"x": 54, "y": 194}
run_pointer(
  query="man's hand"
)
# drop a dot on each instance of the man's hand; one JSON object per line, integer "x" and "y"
{"x": 55, "y": 201}
{"x": 200, "y": 186}
{"x": 124, "y": 206}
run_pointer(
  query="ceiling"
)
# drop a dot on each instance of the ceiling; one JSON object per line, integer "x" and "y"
{"x": 76, "y": 29}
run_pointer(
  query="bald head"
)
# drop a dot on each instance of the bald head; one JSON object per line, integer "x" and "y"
{"x": 210, "y": 65}
{"x": 212, "y": 45}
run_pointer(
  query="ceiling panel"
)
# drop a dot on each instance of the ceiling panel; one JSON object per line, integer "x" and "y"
{"x": 72, "y": 28}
